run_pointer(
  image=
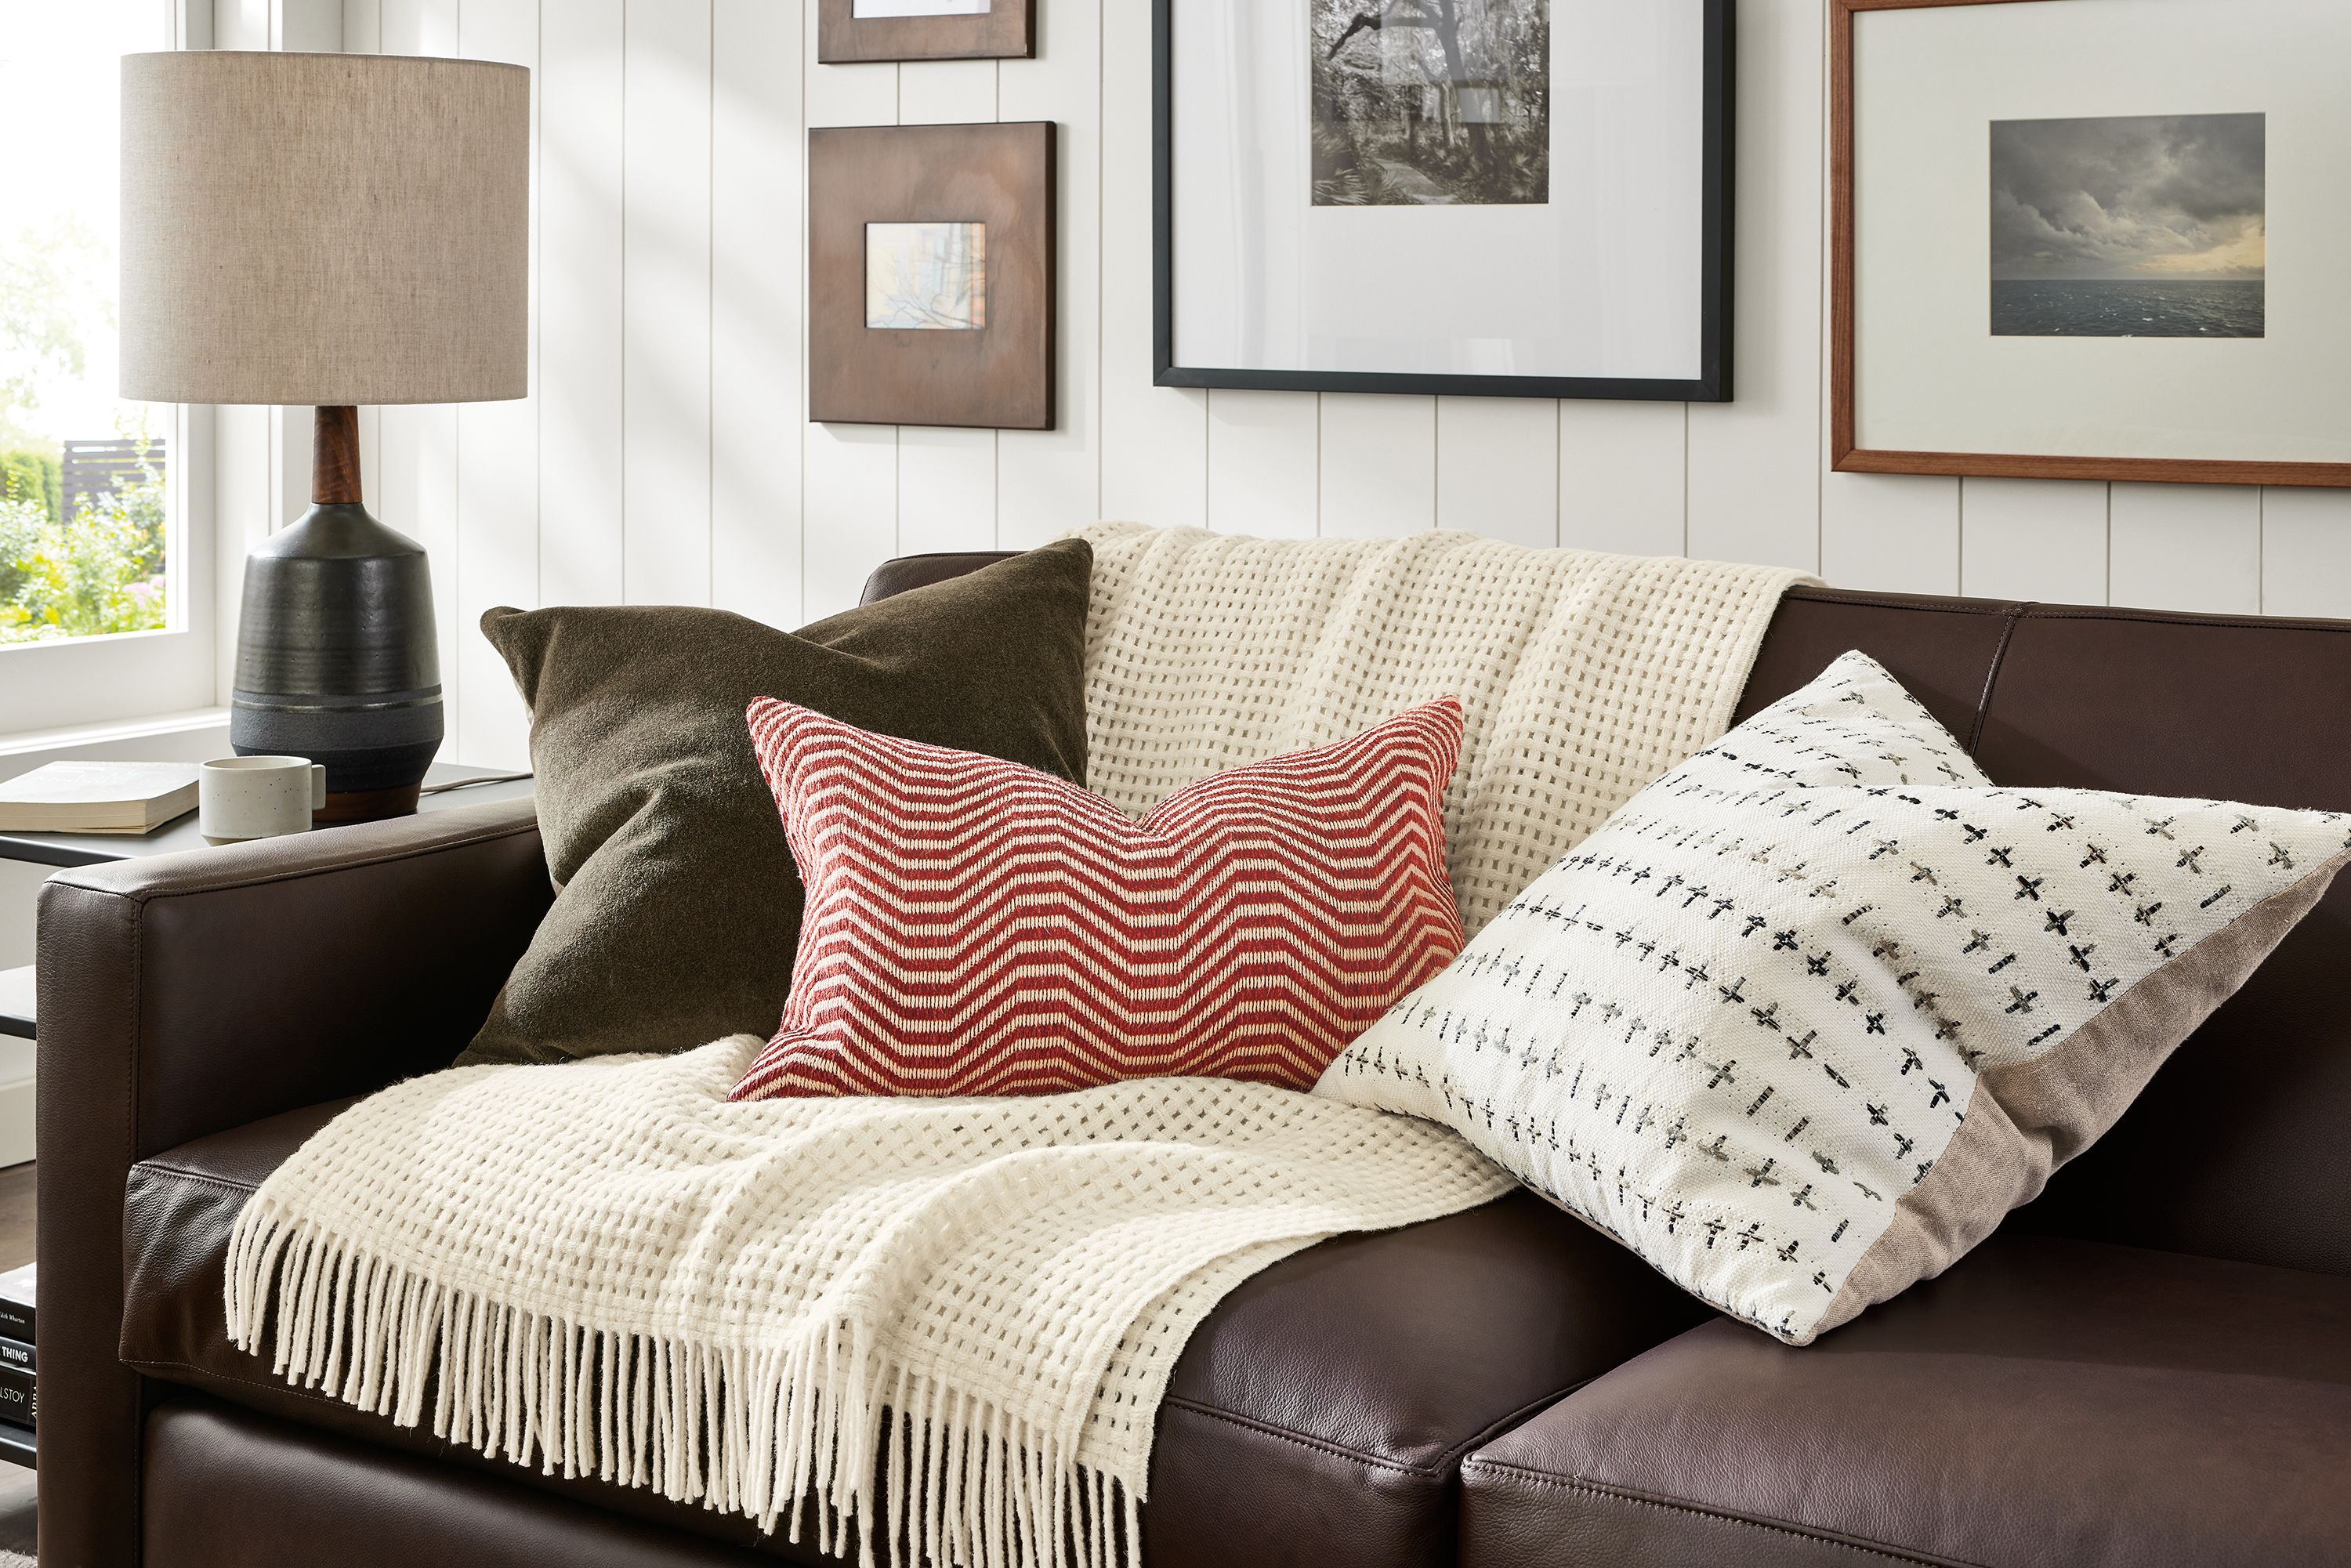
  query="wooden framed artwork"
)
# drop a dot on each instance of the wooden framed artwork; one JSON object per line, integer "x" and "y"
{"x": 1508, "y": 198}
{"x": 850, "y": 31}
{"x": 931, "y": 275}
{"x": 2050, "y": 251}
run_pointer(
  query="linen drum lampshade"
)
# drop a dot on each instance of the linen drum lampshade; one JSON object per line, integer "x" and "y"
{"x": 332, "y": 230}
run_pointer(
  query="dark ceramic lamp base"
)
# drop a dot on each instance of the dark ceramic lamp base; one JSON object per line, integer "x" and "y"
{"x": 336, "y": 655}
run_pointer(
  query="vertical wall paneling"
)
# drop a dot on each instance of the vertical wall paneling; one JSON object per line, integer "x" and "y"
{"x": 2034, "y": 538}
{"x": 1049, "y": 481}
{"x": 497, "y": 464}
{"x": 291, "y": 438}
{"x": 756, "y": 259}
{"x": 946, "y": 489}
{"x": 946, "y": 478}
{"x": 192, "y": 24}
{"x": 1622, "y": 473}
{"x": 665, "y": 201}
{"x": 2187, "y": 546}
{"x": 1755, "y": 464}
{"x": 1898, "y": 532}
{"x": 2305, "y": 552}
{"x": 363, "y": 34}
{"x": 582, "y": 107}
{"x": 947, "y": 93}
{"x": 1154, "y": 440}
{"x": 309, "y": 26}
{"x": 1262, "y": 463}
{"x": 848, "y": 472}
{"x": 1498, "y": 468}
{"x": 240, "y": 519}
{"x": 850, "y": 487}
{"x": 665, "y": 452}
{"x": 1378, "y": 457}
{"x": 416, "y": 461}
{"x": 362, "y": 27}
{"x": 243, "y": 24}
{"x": 243, "y": 451}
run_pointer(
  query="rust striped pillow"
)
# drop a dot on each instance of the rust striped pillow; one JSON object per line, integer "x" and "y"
{"x": 977, "y": 927}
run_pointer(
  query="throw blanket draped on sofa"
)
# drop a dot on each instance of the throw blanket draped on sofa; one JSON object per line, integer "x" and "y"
{"x": 950, "y": 1322}
{"x": 1581, "y": 676}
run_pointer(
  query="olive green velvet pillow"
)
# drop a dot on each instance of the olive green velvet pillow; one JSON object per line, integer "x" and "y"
{"x": 678, "y": 905}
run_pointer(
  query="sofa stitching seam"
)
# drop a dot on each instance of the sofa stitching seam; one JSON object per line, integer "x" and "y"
{"x": 293, "y": 873}
{"x": 184, "y": 1174}
{"x": 1823, "y": 595}
{"x": 1991, "y": 675}
{"x": 314, "y": 1395}
{"x": 1514, "y": 1419}
{"x": 1613, "y": 1494}
{"x": 1303, "y": 1441}
{"x": 2186, "y": 618}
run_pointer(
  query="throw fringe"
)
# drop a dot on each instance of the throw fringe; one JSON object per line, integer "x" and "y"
{"x": 883, "y": 1453}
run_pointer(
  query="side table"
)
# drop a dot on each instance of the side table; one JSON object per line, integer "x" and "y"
{"x": 447, "y": 784}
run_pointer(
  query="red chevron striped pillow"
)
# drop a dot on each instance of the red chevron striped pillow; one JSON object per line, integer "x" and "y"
{"x": 977, "y": 927}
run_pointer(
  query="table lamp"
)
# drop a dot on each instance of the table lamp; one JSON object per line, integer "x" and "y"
{"x": 331, "y": 230}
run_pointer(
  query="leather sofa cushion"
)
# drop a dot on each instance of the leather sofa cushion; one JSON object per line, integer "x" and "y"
{"x": 2047, "y": 1402}
{"x": 1329, "y": 1398}
{"x": 226, "y": 1489}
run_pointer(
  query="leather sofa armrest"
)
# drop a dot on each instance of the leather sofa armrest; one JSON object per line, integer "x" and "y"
{"x": 188, "y": 994}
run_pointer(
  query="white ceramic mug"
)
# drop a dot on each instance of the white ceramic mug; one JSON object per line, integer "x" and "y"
{"x": 258, "y": 797}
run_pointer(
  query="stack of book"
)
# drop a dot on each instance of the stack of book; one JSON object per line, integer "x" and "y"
{"x": 17, "y": 1405}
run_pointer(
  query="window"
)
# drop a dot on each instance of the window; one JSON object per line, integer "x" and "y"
{"x": 106, "y": 576}
{"x": 86, "y": 539}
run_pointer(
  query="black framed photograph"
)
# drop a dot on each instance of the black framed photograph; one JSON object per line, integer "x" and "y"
{"x": 1502, "y": 198}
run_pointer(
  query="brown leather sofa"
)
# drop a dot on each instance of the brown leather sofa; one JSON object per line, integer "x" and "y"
{"x": 2151, "y": 1365}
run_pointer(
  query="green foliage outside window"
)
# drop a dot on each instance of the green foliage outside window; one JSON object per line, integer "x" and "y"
{"x": 35, "y": 476}
{"x": 100, "y": 571}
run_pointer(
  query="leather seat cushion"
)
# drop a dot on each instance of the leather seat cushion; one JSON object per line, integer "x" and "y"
{"x": 226, "y": 1489}
{"x": 2046, "y": 1402}
{"x": 1329, "y": 1398}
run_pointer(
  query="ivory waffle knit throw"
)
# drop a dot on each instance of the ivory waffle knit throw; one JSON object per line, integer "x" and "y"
{"x": 604, "y": 1267}
{"x": 1581, "y": 676}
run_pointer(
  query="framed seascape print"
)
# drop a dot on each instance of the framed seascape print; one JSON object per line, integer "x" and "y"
{"x": 849, "y": 31}
{"x": 931, "y": 275}
{"x": 2050, "y": 245}
{"x": 1512, "y": 198}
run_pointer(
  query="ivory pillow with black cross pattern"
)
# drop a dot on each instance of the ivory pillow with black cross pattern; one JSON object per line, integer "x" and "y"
{"x": 1812, "y": 1012}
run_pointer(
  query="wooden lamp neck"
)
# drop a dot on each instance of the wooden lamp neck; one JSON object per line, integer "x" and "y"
{"x": 335, "y": 456}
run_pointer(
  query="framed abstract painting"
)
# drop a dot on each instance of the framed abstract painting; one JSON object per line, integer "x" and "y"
{"x": 850, "y": 31}
{"x": 931, "y": 275}
{"x": 2051, "y": 248}
{"x": 1524, "y": 198}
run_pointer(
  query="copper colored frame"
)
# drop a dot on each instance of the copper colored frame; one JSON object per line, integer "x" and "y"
{"x": 998, "y": 377}
{"x": 1848, "y": 458}
{"x": 1008, "y": 30}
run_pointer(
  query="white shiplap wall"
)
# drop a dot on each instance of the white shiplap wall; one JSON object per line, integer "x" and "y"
{"x": 664, "y": 457}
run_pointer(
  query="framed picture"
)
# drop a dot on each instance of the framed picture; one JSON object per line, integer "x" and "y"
{"x": 849, "y": 31}
{"x": 1507, "y": 198}
{"x": 2050, "y": 248}
{"x": 931, "y": 275}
